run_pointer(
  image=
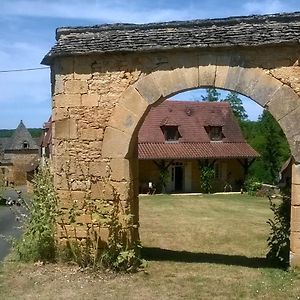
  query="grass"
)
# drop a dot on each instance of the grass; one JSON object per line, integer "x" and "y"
{"x": 197, "y": 247}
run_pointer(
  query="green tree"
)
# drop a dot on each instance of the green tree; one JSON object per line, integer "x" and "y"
{"x": 212, "y": 95}
{"x": 236, "y": 105}
{"x": 267, "y": 138}
{"x": 207, "y": 175}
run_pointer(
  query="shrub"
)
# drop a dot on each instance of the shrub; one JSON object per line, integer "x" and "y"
{"x": 252, "y": 185}
{"x": 38, "y": 242}
{"x": 278, "y": 241}
{"x": 206, "y": 177}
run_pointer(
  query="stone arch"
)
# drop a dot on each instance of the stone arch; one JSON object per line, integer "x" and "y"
{"x": 259, "y": 85}
{"x": 279, "y": 99}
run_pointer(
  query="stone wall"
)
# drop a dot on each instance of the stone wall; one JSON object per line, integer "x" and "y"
{"x": 20, "y": 163}
{"x": 100, "y": 101}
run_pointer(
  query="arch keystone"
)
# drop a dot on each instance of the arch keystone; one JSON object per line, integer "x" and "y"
{"x": 207, "y": 69}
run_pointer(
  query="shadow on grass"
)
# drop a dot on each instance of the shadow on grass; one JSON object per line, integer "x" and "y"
{"x": 158, "y": 254}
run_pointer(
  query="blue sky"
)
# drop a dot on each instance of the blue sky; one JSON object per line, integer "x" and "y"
{"x": 27, "y": 31}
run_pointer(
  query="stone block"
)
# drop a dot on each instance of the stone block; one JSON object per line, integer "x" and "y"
{"x": 59, "y": 84}
{"x": 294, "y": 259}
{"x": 76, "y": 87}
{"x": 99, "y": 169}
{"x": 72, "y": 231}
{"x": 166, "y": 83}
{"x": 288, "y": 122}
{"x": 78, "y": 198}
{"x": 65, "y": 129}
{"x": 80, "y": 185}
{"x": 84, "y": 219}
{"x": 296, "y": 174}
{"x": 120, "y": 169}
{"x": 148, "y": 89}
{"x": 60, "y": 113}
{"x": 296, "y": 194}
{"x": 176, "y": 81}
{"x": 283, "y": 101}
{"x": 295, "y": 242}
{"x": 67, "y": 100}
{"x": 123, "y": 190}
{"x": 60, "y": 182}
{"x": 265, "y": 88}
{"x": 90, "y": 100}
{"x": 103, "y": 232}
{"x": 91, "y": 134}
{"x": 123, "y": 120}
{"x": 102, "y": 191}
{"x": 222, "y": 69}
{"x": 184, "y": 79}
{"x": 64, "y": 198}
{"x": 116, "y": 143}
{"x": 294, "y": 143}
{"x": 295, "y": 218}
{"x": 247, "y": 81}
{"x": 173, "y": 82}
{"x": 207, "y": 70}
{"x": 133, "y": 101}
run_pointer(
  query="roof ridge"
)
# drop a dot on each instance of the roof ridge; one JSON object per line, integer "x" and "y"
{"x": 283, "y": 17}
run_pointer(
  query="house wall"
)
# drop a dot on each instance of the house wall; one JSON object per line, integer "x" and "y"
{"x": 20, "y": 162}
{"x": 230, "y": 171}
{"x": 148, "y": 171}
{"x": 99, "y": 102}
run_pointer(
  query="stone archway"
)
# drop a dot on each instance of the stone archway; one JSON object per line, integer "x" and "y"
{"x": 103, "y": 88}
{"x": 120, "y": 135}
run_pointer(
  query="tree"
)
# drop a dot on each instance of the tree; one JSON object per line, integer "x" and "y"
{"x": 207, "y": 175}
{"x": 267, "y": 138}
{"x": 236, "y": 105}
{"x": 212, "y": 95}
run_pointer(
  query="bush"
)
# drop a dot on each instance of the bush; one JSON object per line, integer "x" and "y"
{"x": 38, "y": 242}
{"x": 207, "y": 176}
{"x": 252, "y": 185}
{"x": 278, "y": 241}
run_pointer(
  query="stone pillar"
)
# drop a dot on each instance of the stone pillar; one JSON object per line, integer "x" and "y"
{"x": 295, "y": 217}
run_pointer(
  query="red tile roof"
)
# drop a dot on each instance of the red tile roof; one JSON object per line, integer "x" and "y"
{"x": 191, "y": 119}
{"x": 195, "y": 150}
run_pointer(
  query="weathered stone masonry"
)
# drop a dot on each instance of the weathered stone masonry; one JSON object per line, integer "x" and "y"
{"x": 104, "y": 79}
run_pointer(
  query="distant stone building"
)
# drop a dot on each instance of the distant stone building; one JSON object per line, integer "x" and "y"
{"x": 16, "y": 152}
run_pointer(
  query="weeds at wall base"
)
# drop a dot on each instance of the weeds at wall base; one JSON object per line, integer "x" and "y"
{"x": 40, "y": 243}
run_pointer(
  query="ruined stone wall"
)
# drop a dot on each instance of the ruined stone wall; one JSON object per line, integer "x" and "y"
{"x": 88, "y": 104}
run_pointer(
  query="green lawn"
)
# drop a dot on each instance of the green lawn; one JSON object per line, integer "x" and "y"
{"x": 197, "y": 247}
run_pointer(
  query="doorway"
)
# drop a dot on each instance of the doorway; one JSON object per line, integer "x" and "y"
{"x": 178, "y": 178}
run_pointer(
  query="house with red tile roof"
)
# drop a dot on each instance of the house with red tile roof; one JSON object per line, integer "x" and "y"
{"x": 180, "y": 137}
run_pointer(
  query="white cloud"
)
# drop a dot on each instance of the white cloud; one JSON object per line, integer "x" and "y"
{"x": 266, "y": 6}
{"x": 108, "y": 11}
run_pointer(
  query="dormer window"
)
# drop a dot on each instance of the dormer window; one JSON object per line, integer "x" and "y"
{"x": 215, "y": 133}
{"x": 171, "y": 133}
{"x": 25, "y": 145}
